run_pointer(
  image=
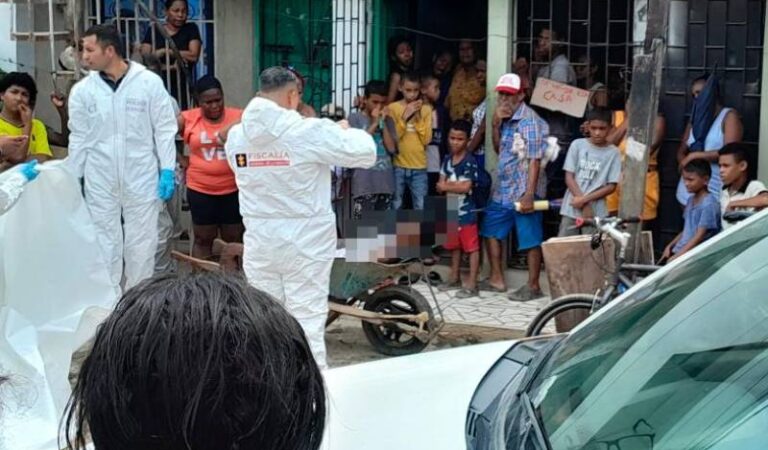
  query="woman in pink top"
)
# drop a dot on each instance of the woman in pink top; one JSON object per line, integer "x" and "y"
{"x": 211, "y": 189}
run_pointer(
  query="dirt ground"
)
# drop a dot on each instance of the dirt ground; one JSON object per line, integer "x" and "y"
{"x": 348, "y": 345}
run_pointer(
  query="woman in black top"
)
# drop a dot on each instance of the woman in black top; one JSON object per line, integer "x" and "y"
{"x": 186, "y": 36}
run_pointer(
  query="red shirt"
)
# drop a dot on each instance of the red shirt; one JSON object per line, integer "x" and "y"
{"x": 208, "y": 171}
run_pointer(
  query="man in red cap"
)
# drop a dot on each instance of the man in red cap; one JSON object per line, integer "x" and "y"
{"x": 519, "y": 137}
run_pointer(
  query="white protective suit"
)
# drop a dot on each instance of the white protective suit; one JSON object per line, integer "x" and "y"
{"x": 281, "y": 165}
{"x": 12, "y": 184}
{"x": 119, "y": 141}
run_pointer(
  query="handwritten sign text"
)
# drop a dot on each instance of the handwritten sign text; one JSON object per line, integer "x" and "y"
{"x": 560, "y": 97}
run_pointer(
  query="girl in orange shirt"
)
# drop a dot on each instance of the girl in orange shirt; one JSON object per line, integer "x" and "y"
{"x": 211, "y": 189}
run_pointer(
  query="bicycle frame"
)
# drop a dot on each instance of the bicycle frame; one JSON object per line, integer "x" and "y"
{"x": 623, "y": 270}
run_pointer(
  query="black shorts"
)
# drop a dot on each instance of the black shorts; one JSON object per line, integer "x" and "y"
{"x": 210, "y": 209}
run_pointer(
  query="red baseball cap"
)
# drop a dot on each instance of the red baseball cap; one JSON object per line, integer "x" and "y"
{"x": 509, "y": 84}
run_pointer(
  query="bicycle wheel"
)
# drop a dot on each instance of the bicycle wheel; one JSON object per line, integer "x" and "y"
{"x": 566, "y": 303}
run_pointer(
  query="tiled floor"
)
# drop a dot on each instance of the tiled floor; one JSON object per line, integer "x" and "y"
{"x": 489, "y": 309}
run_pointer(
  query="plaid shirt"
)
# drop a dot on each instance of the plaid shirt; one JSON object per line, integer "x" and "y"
{"x": 513, "y": 171}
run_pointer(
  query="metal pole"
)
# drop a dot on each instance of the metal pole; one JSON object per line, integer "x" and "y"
{"x": 31, "y": 19}
{"x": 51, "y": 35}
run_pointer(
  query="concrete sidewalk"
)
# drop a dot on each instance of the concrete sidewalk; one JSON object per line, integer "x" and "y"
{"x": 490, "y": 309}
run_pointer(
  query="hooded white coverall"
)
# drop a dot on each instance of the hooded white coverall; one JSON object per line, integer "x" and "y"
{"x": 119, "y": 141}
{"x": 281, "y": 163}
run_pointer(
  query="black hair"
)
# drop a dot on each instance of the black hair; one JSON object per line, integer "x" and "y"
{"x": 169, "y": 3}
{"x": 395, "y": 42}
{"x": 376, "y": 87}
{"x": 739, "y": 150}
{"x": 412, "y": 77}
{"x": 700, "y": 79}
{"x": 107, "y": 36}
{"x": 427, "y": 78}
{"x": 558, "y": 48}
{"x": 441, "y": 52}
{"x": 274, "y": 78}
{"x": 206, "y": 83}
{"x": 700, "y": 167}
{"x": 601, "y": 114}
{"x": 152, "y": 62}
{"x": 704, "y": 79}
{"x": 462, "y": 125}
{"x": 201, "y": 361}
{"x": 22, "y": 80}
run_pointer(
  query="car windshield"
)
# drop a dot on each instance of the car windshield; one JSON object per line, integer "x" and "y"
{"x": 682, "y": 363}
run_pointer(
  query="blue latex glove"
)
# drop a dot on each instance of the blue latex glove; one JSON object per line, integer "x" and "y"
{"x": 29, "y": 170}
{"x": 167, "y": 184}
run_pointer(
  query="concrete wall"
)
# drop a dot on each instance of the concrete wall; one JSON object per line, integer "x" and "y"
{"x": 234, "y": 50}
{"x": 7, "y": 45}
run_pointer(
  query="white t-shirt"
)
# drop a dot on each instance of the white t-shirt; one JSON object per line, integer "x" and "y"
{"x": 754, "y": 188}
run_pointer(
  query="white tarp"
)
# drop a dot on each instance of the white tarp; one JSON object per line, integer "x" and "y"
{"x": 54, "y": 290}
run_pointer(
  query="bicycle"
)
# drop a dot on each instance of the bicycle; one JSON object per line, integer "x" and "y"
{"x": 620, "y": 280}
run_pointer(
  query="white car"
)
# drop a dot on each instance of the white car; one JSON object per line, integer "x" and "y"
{"x": 679, "y": 362}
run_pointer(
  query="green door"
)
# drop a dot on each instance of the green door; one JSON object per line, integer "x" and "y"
{"x": 297, "y": 33}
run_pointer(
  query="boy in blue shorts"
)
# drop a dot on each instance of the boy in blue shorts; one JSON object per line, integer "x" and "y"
{"x": 518, "y": 181}
{"x": 702, "y": 212}
{"x": 458, "y": 175}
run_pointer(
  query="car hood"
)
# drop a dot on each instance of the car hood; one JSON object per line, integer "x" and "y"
{"x": 417, "y": 401}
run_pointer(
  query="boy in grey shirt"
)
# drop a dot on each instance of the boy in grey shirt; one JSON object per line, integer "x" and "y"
{"x": 372, "y": 188}
{"x": 592, "y": 170}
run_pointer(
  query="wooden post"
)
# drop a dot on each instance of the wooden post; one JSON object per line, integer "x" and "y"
{"x": 644, "y": 105}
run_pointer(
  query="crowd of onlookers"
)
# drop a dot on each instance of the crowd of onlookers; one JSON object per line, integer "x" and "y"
{"x": 430, "y": 129}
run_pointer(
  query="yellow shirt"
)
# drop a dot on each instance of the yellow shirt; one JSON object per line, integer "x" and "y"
{"x": 412, "y": 137}
{"x": 465, "y": 94}
{"x": 38, "y": 142}
{"x": 652, "y": 186}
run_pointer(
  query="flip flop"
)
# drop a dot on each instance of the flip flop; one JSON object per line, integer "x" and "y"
{"x": 486, "y": 286}
{"x": 467, "y": 293}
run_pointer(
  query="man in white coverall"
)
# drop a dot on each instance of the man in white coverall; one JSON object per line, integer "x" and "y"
{"x": 122, "y": 130}
{"x": 281, "y": 163}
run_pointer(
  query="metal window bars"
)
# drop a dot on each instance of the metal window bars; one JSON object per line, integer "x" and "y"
{"x": 589, "y": 33}
{"x": 133, "y": 23}
{"x": 350, "y": 31}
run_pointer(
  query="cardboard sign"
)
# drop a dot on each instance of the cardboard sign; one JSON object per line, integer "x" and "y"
{"x": 560, "y": 97}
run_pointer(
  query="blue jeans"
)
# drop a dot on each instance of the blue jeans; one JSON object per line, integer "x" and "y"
{"x": 416, "y": 180}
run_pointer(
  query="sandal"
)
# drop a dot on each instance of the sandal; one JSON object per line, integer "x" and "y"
{"x": 525, "y": 294}
{"x": 485, "y": 285}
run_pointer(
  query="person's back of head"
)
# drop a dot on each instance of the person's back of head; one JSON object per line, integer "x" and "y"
{"x": 198, "y": 362}
{"x": 280, "y": 85}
